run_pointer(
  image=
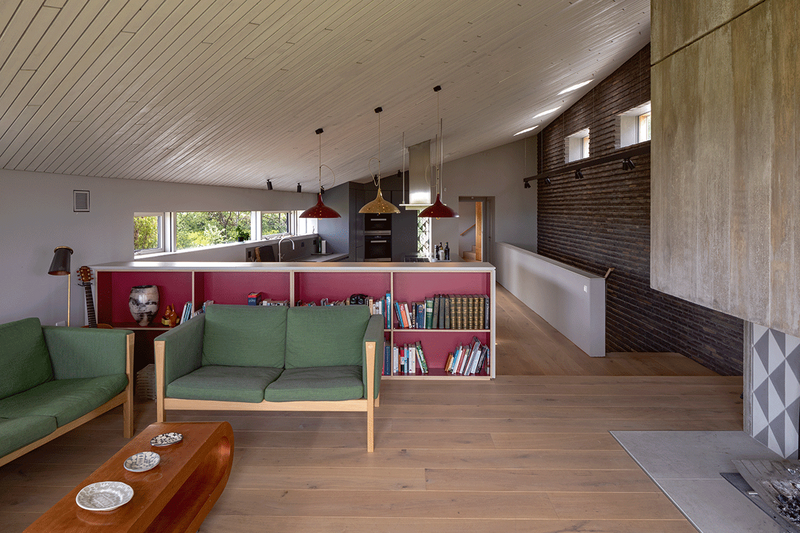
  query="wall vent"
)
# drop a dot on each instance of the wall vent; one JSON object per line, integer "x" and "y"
{"x": 80, "y": 201}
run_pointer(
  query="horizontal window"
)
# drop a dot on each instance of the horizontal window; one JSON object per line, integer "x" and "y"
{"x": 184, "y": 230}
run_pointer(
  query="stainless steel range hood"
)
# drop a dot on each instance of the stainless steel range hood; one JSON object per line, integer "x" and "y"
{"x": 420, "y": 184}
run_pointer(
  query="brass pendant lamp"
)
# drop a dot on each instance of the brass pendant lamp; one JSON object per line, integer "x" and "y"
{"x": 379, "y": 205}
{"x": 438, "y": 209}
{"x": 320, "y": 210}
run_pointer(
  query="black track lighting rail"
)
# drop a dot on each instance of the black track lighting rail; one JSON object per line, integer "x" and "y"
{"x": 623, "y": 155}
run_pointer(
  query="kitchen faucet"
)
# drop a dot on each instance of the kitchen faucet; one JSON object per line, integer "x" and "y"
{"x": 279, "y": 246}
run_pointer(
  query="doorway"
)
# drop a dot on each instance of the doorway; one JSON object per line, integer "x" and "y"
{"x": 475, "y": 227}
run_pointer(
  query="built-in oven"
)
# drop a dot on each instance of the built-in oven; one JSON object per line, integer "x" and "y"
{"x": 377, "y": 222}
{"x": 378, "y": 246}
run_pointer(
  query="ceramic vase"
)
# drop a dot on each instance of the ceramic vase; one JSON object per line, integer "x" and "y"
{"x": 143, "y": 303}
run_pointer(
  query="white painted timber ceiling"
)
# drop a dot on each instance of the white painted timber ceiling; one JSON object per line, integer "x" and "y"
{"x": 230, "y": 92}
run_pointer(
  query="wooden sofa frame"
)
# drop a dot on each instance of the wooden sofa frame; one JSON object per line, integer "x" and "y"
{"x": 124, "y": 398}
{"x": 366, "y": 405}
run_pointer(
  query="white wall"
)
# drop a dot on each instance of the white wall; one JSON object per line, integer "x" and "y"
{"x": 36, "y": 216}
{"x": 569, "y": 299}
{"x": 499, "y": 173}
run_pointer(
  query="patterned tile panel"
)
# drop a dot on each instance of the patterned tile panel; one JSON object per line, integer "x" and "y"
{"x": 776, "y": 390}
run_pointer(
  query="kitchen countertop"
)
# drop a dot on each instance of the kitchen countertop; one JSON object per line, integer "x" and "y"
{"x": 320, "y": 258}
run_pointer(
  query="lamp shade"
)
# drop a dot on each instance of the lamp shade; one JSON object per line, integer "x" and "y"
{"x": 379, "y": 206}
{"x": 60, "y": 264}
{"x": 438, "y": 210}
{"x": 320, "y": 210}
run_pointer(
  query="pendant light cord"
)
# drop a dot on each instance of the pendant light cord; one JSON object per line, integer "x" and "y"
{"x": 438, "y": 142}
{"x": 319, "y": 133}
{"x": 376, "y": 179}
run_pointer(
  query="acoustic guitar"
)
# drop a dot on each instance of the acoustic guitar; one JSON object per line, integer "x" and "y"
{"x": 85, "y": 276}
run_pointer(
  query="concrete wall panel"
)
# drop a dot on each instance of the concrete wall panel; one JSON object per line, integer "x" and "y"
{"x": 681, "y": 22}
{"x": 725, "y": 164}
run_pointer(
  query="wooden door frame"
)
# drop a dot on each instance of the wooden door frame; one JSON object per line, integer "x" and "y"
{"x": 487, "y": 244}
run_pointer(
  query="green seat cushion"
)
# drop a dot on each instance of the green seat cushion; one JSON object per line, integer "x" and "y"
{"x": 325, "y": 336}
{"x": 224, "y": 383}
{"x": 18, "y": 432}
{"x": 326, "y": 383}
{"x": 24, "y": 358}
{"x": 244, "y": 335}
{"x": 64, "y": 399}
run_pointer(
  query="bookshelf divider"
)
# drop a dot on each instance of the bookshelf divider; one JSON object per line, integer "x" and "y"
{"x": 230, "y": 283}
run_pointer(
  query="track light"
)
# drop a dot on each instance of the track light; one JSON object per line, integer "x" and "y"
{"x": 269, "y": 185}
{"x": 299, "y": 188}
{"x": 578, "y": 174}
{"x": 627, "y": 164}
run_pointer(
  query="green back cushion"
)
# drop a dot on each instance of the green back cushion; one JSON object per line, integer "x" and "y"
{"x": 23, "y": 356}
{"x": 325, "y": 336}
{"x": 244, "y": 335}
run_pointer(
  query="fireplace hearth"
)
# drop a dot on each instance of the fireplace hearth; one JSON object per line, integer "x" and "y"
{"x": 774, "y": 486}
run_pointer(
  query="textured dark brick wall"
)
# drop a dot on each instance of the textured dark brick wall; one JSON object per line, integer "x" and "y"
{"x": 603, "y": 221}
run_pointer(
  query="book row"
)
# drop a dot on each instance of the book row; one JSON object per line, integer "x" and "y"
{"x": 409, "y": 359}
{"x": 445, "y": 311}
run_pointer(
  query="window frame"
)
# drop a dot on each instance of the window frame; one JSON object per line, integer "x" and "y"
{"x": 630, "y": 125}
{"x": 578, "y": 145}
{"x": 164, "y": 222}
{"x": 168, "y": 229}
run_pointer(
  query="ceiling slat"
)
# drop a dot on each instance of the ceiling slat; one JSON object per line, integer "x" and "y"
{"x": 229, "y": 92}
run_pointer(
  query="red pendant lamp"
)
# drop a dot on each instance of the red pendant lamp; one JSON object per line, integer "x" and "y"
{"x": 320, "y": 210}
{"x": 438, "y": 209}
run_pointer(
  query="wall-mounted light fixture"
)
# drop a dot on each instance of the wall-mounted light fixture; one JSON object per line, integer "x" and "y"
{"x": 527, "y": 185}
{"x": 299, "y": 188}
{"x": 269, "y": 185}
{"x": 627, "y": 164}
{"x": 547, "y": 181}
{"x": 578, "y": 174}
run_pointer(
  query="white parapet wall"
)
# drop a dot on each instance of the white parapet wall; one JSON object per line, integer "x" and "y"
{"x": 569, "y": 299}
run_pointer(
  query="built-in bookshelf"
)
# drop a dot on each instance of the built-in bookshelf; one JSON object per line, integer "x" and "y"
{"x": 461, "y": 289}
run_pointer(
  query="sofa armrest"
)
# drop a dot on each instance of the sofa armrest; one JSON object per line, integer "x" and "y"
{"x": 374, "y": 333}
{"x": 87, "y": 352}
{"x": 182, "y": 348}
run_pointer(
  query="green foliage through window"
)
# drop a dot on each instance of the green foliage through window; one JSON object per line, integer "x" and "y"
{"x": 146, "y": 232}
{"x": 206, "y": 228}
{"x": 272, "y": 223}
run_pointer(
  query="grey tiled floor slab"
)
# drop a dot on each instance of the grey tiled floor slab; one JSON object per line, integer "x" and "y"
{"x": 686, "y": 465}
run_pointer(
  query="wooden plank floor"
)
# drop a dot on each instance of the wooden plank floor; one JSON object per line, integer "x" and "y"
{"x": 521, "y": 453}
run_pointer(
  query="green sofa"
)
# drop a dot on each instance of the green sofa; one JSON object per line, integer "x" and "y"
{"x": 56, "y": 378}
{"x": 272, "y": 358}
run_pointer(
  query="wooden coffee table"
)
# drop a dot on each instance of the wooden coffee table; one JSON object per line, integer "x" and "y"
{"x": 176, "y": 495}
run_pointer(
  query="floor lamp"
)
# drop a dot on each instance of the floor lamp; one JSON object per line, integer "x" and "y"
{"x": 60, "y": 267}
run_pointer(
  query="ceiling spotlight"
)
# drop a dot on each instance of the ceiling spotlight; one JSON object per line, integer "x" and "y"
{"x": 575, "y": 87}
{"x": 578, "y": 174}
{"x": 527, "y": 184}
{"x": 627, "y": 164}
{"x": 299, "y": 188}
{"x": 547, "y": 181}
{"x": 269, "y": 185}
{"x": 525, "y": 131}
{"x": 547, "y": 112}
